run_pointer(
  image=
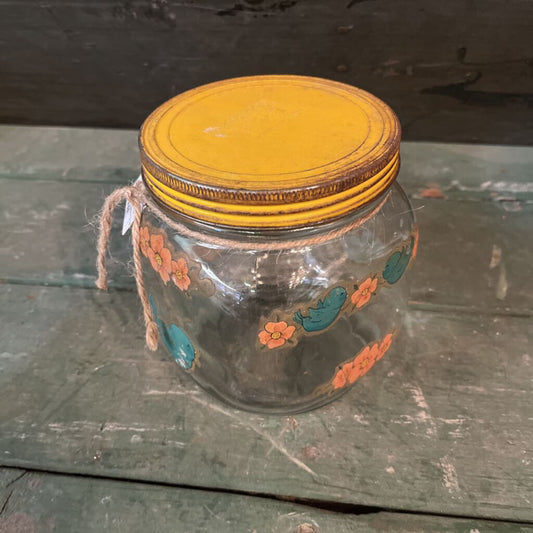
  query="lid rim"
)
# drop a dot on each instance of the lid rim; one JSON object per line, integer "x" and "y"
{"x": 390, "y": 173}
{"x": 306, "y": 216}
{"x": 269, "y": 196}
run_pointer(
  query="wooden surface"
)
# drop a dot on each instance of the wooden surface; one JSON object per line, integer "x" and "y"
{"x": 454, "y": 71}
{"x": 442, "y": 427}
{"x": 46, "y": 503}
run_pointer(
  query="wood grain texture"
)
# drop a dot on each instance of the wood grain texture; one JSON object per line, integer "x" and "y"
{"x": 45, "y": 502}
{"x": 69, "y": 154}
{"x": 441, "y": 425}
{"x": 460, "y": 71}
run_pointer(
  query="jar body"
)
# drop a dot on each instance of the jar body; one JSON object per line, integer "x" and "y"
{"x": 287, "y": 329}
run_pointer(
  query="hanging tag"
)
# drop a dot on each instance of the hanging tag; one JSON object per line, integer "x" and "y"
{"x": 129, "y": 212}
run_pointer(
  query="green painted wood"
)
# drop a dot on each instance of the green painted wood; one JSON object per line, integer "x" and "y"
{"x": 45, "y": 503}
{"x": 441, "y": 427}
{"x": 474, "y": 255}
{"x": 68, "y": 154}
{"x": 468, "y": 171}
{"x": 75, "y": 62}
{"x": 50, "y": 234}
{"x": 443, "y": 423}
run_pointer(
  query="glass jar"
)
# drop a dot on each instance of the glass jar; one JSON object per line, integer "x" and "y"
{"x": 276, "y": 242}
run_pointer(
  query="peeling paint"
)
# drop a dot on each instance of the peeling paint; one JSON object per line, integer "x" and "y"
{"x": 495, "y": 257}
{"x": 449, "y": 475}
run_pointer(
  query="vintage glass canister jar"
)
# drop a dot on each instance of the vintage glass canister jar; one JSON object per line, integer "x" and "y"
{"x": 275, "y": 250}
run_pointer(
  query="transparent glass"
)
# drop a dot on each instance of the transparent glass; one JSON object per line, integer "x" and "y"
{"x": 281, "y": 331}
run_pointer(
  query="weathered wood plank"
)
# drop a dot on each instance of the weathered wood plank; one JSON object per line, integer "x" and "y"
{"x": 48, "y": 238}
{"x": 50, "y": 231}
{"x": 468, "y": 172}
{"x": 68, "y": 154}
{"x": 75, "y": 62}
{"x": 42, "y": 205}
{"x": 46, "y": 502}
{"x": 443, "y": 425}
{"x": 474, "y": 255}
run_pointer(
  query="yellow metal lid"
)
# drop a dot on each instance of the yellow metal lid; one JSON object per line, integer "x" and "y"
{"x": 270, "y": 151}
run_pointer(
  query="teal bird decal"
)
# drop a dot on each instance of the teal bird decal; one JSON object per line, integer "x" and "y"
{"x": 397, "y": 263}
{"x": 175, "y": 340}
{"x": 325, "y": 313}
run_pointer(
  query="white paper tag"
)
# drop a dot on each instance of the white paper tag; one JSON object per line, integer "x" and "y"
{"x": 129, "y": 212}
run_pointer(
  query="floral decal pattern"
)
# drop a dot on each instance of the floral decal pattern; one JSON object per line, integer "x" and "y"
{"x": 159, "y": 257}
{"x": 144, "y": 240}
{"x": 415, "y": 245}
{"x": 364, "y": 292}
{"x": 275, "y": 334}
{"x": 349, "y": 372}
{"x": 179, "y": 271}
{"x": 346, "y": 298}
{"x": 172, "y": 265}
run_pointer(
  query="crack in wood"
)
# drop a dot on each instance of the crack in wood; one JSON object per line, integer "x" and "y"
{"x": 265, "y": 10}
{"x": 352, "y": 3}
{"x": 16, "y": 479}
{"x": 458, "y": 91}
{"x": 326, "y": 505}
{"x": 4, "y": 506}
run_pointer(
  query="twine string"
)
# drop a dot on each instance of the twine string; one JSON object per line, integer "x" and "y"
{"x": 131, "y": 194}
{"x": 139, "y": 198}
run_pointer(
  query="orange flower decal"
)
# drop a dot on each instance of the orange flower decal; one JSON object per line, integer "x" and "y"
{"x": 144, "y": 240}
{"x": 351, "y": 371}
{"x": 364, "y": 362}
{"x": 415, "y": 246}
{"x": 359, "y": 366}
{"x": 341, "y": 377}
{"x": 159, "y": 257}
{"x": 276, "y": 334}
{"x": 179, "y": 273}
{"x": 384, "y": 346}
{"x": 178, "y": 266}
{"x": 364, "y": 291}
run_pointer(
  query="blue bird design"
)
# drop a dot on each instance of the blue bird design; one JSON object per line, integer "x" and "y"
{"x": 175, "y": 340}
{"x": 397, "y": 263}
{"x": 325, "y": 313}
